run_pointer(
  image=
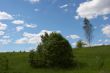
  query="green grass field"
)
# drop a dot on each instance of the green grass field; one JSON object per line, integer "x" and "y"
{"x": 91, "y": 60}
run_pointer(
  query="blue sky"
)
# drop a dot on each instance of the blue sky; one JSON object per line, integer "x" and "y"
{"x": 22, "y": 22}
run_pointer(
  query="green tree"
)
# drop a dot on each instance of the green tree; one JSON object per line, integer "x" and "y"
{"x": 32, "y": 58}
{"x": 80, "y": 44}
{"x": 88, "y": 28}
{"x": 54, "y": 51}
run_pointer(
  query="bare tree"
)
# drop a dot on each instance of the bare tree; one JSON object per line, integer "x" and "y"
{"x": 88, "y": 29}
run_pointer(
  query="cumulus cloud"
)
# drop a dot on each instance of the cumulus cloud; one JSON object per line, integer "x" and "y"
{"x": 2, "y": 33}
{"x": 5, "y": 41}
{"x": 19, "y": 28}
{"x": 106, "y": 30}
{"x": 93, "y": 8}
{"x": 73, "y": 36}
{"x": 5, "y": 16}
{"x": 31, "y": 38}
{"x": 22, "y": 40}
{"x": 18, "y": 22}
{"x": 31, "y": 25}
{"x": 3, "y": 26}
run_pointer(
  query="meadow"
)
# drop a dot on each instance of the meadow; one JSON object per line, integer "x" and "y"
{"x": 90, "y": 60}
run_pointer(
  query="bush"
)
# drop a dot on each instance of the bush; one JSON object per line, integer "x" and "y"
{"x": 35, "y": 59}
{"x": 54, "y": 51}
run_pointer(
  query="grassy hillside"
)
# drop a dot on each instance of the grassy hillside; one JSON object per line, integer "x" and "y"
{"x": 91, "y": 60}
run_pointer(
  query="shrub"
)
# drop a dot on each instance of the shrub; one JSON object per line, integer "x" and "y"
{"x": 53, "y": 51}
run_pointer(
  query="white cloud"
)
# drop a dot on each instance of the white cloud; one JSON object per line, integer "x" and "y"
{"x": 36, "y": 10}
{"x": 93, "y": 8}
{"x": 31, "y": 38}
{"x": 28, "y": 35}
{"x": 64, "y": 6}
{"x": 99, "y": 40}
{"x": 6, "y": 36}
{"x": 19, "y": 28}
{"x": 5, "y": 16}
{"x": 58, "y": 31}
{"x": 106, "y": 41}
{"x": 34, "y": 1}
{"x": 3, "y": 26}
{"x": 74, "y": 44}
{"x": 22, "y": 40}
{"x": 18, "y": 22}
{"x": 73, "y": 36}
{"x": 5, "y": 41}
{"x": 76, "y": 17}
{"x": 105, "y": 17}
{"x": 106, "y": 30}
{"x": 31, "y": 25}
{"x": 2, "y": 33}
{"x": 99, "y": 44}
